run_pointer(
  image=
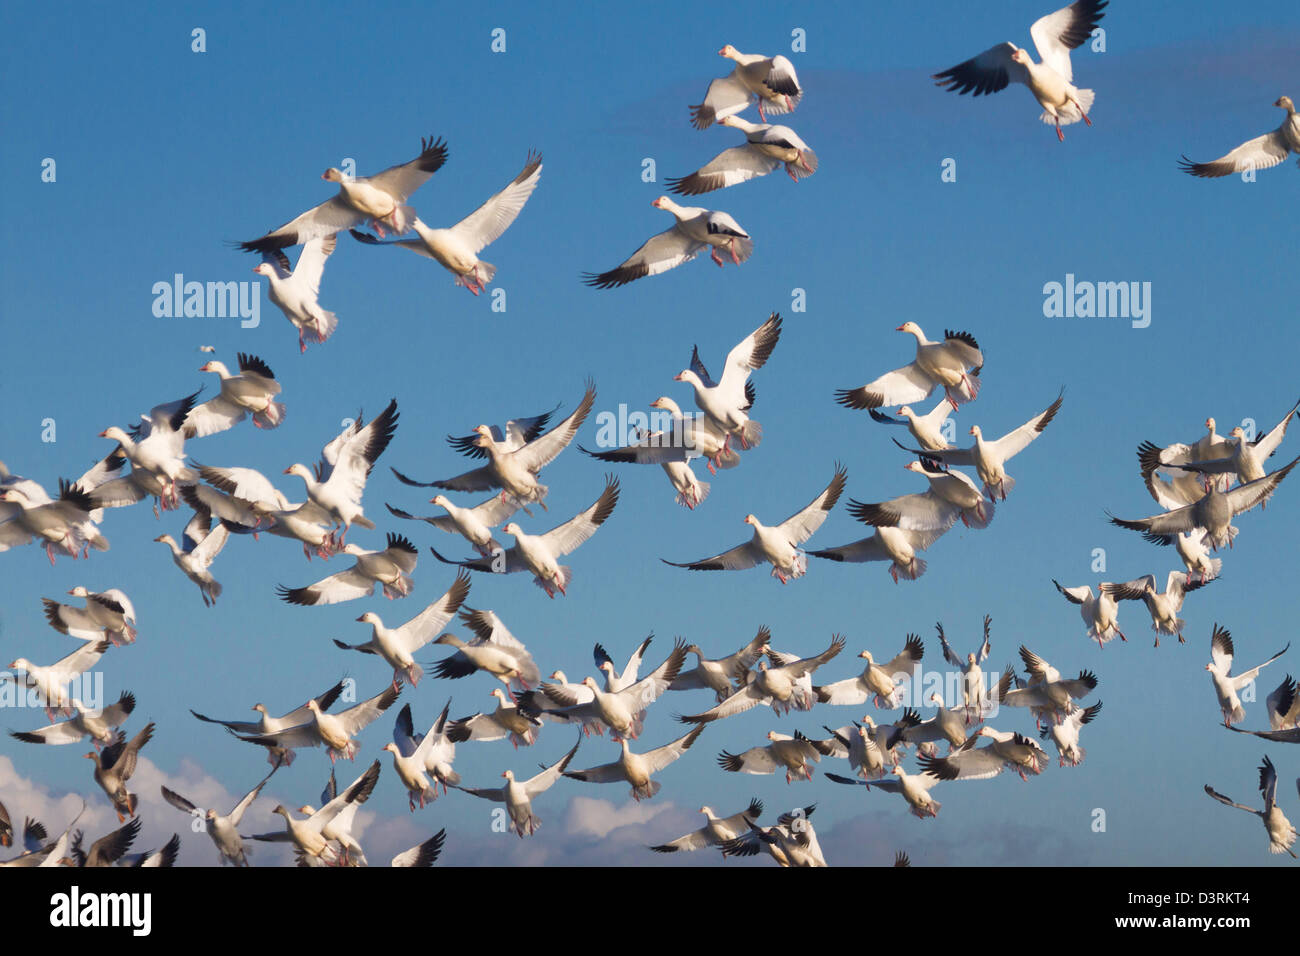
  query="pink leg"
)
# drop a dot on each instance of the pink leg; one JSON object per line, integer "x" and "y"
{"x": 713, "y": 254}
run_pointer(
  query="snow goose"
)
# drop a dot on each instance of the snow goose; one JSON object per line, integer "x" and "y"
{"x": 517, "y": 722}
{"x": 106, "y": 614}
{"x": 202, "y": 545}
{"x": 623, "y": 710}
{"x": 251, "y": 392}
{"x": 792, "y": 842}
{"x": 1172, "y": 487}
{"x": 97, "y": 724}
{"x": 1052, "y": 80}
{"x": 515, "y": 434}
{"x": 779, "y": 544}
{"x": 247, "y": 502}
{"x": 340, "y": 476}
{"x": 973, "y": 694}
{"x": 684, "y": 438}
{"x": 726, "y": 402}
{"x": 1281, "y": 834}
{"x": 1164, "y": 607}
{"x": 337, "y": 830}
{"x": 767, "y": 148}
{"x": 308, "y": 835}
{"x": 795, "y": 754}
{"x": 637, "y": 769}
{"x": 380, "y": 198}
{"x": 1047, "y": 693}
{"x": 1262, "y": 152}
{"x": 546, "y": 707}
{"x": 398, "y": 645}
{"x": 1284, "y": 705}
{"x": 35, "y": 847}
{"x": 884, "y": 684}
{"x": 1226, "y": 684}
{"x": 268, "y": 724}
{"x": 456, "y": 249}
{"x": 156, "y": 448}
{"x": 953, "y": 364}
{"x": 695, "y": 230}
{"x": 783, "y": 685}
{"x": 539, "y": 554}
{"x": 691, "y": 492}
{"x": 333, "y": 731}
{"x": 56, "y": 853}
{"x": 64, "y": 525}
{"x": 914, "y": 787}
{"x": 616, "y": 680}
{"x": 1244, "y": 459}
{"x": 411, "y": 759}
{"x": 927, "y": 429}
{"x": 518, "y": 795}
{"x": 494, "y": 650}
{"x": 514, "y": 468}
{"x": 105, "y": 851}
{"x": 856, "y": 744}
{"x": 952, "y": 495}
{"x": 423, "y": 854}
{"x": 990, "y": 458}
{"x": 1213, "y": 512}
{"x": 1194, "y": 552}
{"x": 947, "y": 724}
{"x": 720, "y": 674}
{"x": 114, "y": 766}
{"x": 222, "y": 830}
{"x": 1066, "y": 734}
{"x": 473, "y": 524}
{"x": 51, "y": 682}
{"x": 390, "y": 568}
{"x": 440, "y": 756}
{"x": 296, "y": 291}
{"x": 716, "y": 830}
{"x": 1100, "y": 612}
{"x": 1006, "y": 749}
{"x": 165, "y": 857}
{"x": 770, "y": 81}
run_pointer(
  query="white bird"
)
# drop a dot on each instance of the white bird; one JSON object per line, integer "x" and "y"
{"x": 1066, "y": 734}
{"x": 793, "y": 754}
{"x": 1047, "y": 693}
{"x": 1164, "y": 607}
{"x": 1213, "y": 512}
{"x": 268, "y": 724}
{"x": 1173, "y": 487}
{"x": 691, "y": 492}
{"x": 784, "y": 685}
{"x": 380, "y": 198}
{"x": 953, "y": 364}
{"x": 914, "y": 787}
{"x": 156, "y": 449}
{"x": 716, "y": 830}
{"x": 684, "y": 437}
{"x": 518, "y": 723}
{"x": 1052, "y": 80}
{"x": 95, "y": 723}
{"x": 339, "y": 479}
{"x": 864, "y": 745}
{"x": 62, "y": 525}
{"x": 473, "y": 524}
{"x": 927, "y": 429}
{"x": 337, "y": 830}
{"x": 391, "y": 568}
{"x": 202, "y": 545}
{"x": 726, "y": 402}
{"x": 616, "y": 680}
{"x": 1262, "y": 152}
{"x": 767, "y": 148}
{"x": 539, "y": 554}
{"x": 308, "y": 835}
{"x": 51, "y": 682}
{"x": 695, "y": 230}
{"x": 952, "y": 495}
{"x": 251, "y": 392}
{"x": 721, "y": 675}
{"x": 1100, "y": 612}
{"x": 1244, "y": 459}
{"x": 974, "y": 697}
{"x": 895, "y": 545}
{"x": 881, "y": 682}
{"x": 512, "y": 467}
{"x": 335, "y": 732}
{"x": 1005, "y": 749}
{"x": 296, "y": 291}
{"x": 1195, "y": 553}
{"x": 947, "y": 724}
{"x": 411, "y": 758}
{"x": 107, "y": 614}
{"x": 222, "y": 830}
{"x": 778, "y": 545}
{"x": 1281, "y": 834}
{"x": 422, "y": 854}
{"x": 440, "y": 756}
{"x": 770, "y": 81}
{"x": 1226, "y": 684}
{"x": 637, "y": 769}
{"x": 397, "y": 645}
{"x": 792, "y": 842}
{"x": 247, "y": 502}
{"x": 456, "y": 249}
{"x": 990, "y": 458}
{"x": 494, "y": 650}
{"x": 518, "y": 795}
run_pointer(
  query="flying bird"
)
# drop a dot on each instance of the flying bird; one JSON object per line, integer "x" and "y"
{"x": 695, "y": 230}
{"x": 770, "y": 81}
{"x": 1262, "y": 152}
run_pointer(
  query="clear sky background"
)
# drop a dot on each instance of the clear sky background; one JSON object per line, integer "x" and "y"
{"x": 164, "y": 155}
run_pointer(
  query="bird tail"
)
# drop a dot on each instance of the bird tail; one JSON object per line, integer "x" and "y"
{"x": 797, "y": 168}
{"x": 361, "y": 521}
{"x": 1216, "y": 565}
{"x": 690, "y": 501}
{"x": 402, "y": 218}
{"x": 973, "y": 518}
{"x": 729, "y": 458}
{"x": 1070, "y": 113}
{"x": 1008, "y": 483}
{"x": 752, "y": 432}
{"x": 483, "y": 274}
{"x": 414, "y": 673}
{"x": 214, "y": 590}
{"x": 269, "y": 417}
{"x": 326, "y": 323}
{"x": 913, "y": 570}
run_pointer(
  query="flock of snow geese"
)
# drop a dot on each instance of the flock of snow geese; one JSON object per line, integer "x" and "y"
{"x": 1201, "y": 487}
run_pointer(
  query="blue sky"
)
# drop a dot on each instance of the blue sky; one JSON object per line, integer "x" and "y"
{"x": 163, "y": 155}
